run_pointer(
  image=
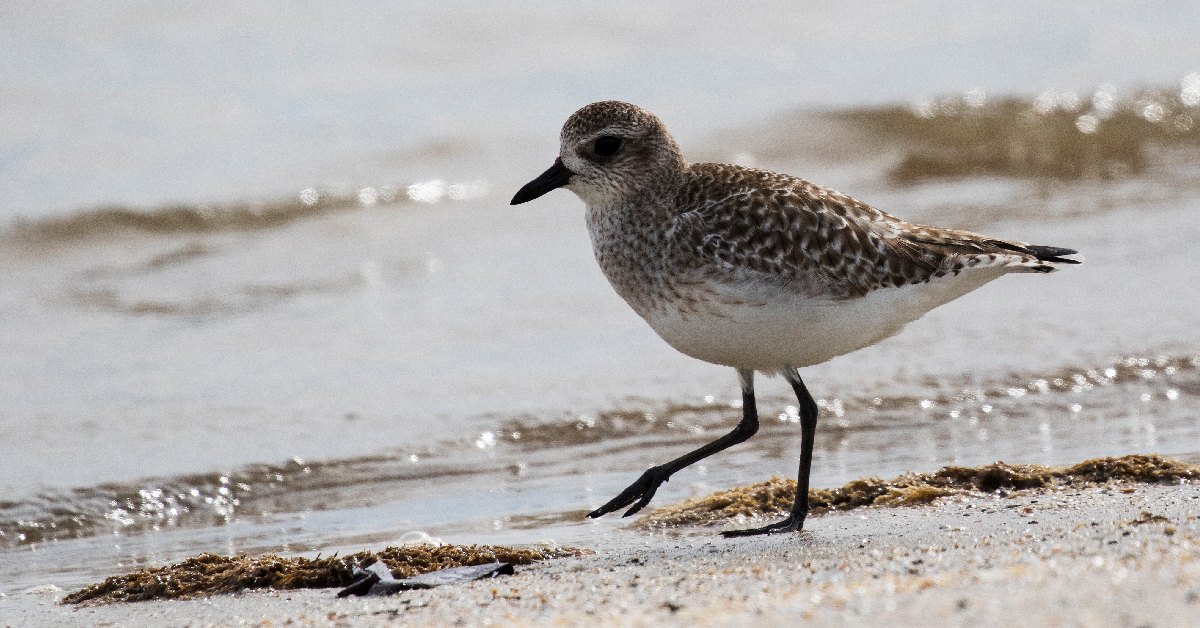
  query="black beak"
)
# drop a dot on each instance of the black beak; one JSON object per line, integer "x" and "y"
{"x": 552, "y": 179}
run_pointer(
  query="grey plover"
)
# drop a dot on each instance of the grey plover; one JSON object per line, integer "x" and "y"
{"x": 753, "y": 269}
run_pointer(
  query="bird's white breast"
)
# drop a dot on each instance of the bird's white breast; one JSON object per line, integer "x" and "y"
{"x": 764, "y": 326}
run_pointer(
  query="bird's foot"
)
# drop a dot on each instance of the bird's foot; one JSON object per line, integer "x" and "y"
{"x": 791, "y": 524}
{"x": 644, "y": 488}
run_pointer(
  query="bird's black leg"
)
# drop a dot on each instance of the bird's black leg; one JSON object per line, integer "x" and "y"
{"x": 646, "y": 485}
{"x": 808, "y": 435}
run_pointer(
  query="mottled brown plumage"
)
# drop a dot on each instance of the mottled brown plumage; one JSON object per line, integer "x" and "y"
{"x": 777, "y": 224}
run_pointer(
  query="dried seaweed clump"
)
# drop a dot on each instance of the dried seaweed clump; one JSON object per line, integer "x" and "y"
{"x": 764, "y": 498}
{"x": 774, "y": 497}
{"x": 210, "y": 574}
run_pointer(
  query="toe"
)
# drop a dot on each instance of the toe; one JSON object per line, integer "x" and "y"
{"x": 791, "y": 524}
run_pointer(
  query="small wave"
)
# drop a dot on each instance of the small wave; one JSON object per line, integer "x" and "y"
{"x": 1061, "y": 135}
{"x": 239, "y": 300}
{"x": 1074, "y": 400}
{"x": 200, "y": 500}
{"x": 102, "y": 222}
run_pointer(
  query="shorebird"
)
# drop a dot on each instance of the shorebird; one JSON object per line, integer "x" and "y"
{"x": 756, "y": 270}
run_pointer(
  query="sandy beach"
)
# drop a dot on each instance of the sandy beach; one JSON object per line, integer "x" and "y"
{"x": 1117, "y": 555}
{"x": 264, "y": 299}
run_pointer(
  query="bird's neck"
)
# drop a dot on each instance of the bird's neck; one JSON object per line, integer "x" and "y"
{"x": 631, "y": 241}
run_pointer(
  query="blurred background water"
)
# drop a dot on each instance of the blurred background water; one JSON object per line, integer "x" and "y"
{"x": 261, "y": 289}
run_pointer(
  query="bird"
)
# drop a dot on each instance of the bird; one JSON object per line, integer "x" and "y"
{"x": 760, "y": 271}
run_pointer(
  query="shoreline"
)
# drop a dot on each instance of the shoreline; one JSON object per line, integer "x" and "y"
{"x": 1117, "y": 554}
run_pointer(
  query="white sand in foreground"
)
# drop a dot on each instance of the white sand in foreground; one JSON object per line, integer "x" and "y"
{"x": 1066, "y": 558}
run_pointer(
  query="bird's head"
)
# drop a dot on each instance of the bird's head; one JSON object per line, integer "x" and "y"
{"x": 610, "y": 151}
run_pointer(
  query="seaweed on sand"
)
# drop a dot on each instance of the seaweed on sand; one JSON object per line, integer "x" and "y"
{"x": 774, "y": 497}
{"x": 210, "y": 574}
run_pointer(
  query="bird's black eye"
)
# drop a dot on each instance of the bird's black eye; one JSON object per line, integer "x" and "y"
{"x": 607, "y": 145}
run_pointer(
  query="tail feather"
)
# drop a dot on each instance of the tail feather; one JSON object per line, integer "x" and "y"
{"x": 1053, "y": 254}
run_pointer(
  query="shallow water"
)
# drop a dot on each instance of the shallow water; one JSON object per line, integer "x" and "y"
{"x": 357, "y": 358}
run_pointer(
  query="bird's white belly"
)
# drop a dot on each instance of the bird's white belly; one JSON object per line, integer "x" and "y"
{"x": 748, "y": 327}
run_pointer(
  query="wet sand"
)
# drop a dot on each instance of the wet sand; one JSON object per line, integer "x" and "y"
{"x": 1122, "y": 554}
